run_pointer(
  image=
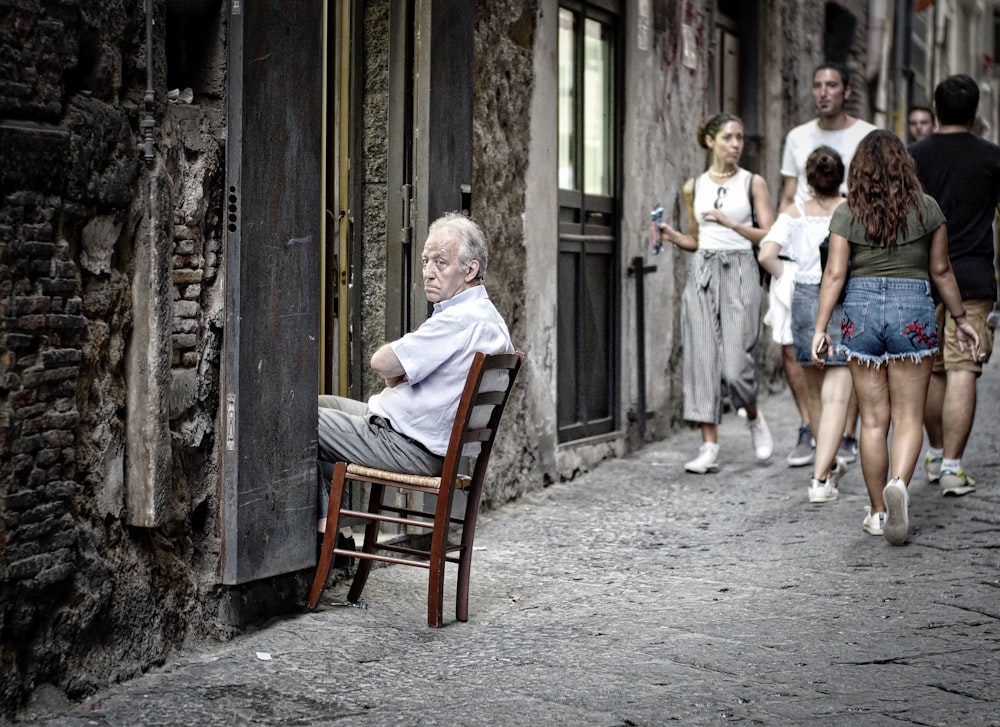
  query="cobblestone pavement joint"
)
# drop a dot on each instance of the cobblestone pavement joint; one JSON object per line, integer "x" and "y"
{"x": 637, "y": 594}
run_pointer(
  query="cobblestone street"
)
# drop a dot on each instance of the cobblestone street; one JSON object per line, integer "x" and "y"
{"x": 640, "y": 595}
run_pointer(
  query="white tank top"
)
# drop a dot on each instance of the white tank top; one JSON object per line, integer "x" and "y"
{"x": 735, "y": 203}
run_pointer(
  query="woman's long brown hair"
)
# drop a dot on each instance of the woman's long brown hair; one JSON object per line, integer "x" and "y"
{"x": 882, "y": 186}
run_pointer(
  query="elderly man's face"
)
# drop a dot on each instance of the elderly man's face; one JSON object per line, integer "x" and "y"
{"x": 443, "y": 275}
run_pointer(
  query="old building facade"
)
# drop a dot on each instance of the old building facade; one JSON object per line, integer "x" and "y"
{"x": 211, "y": 211}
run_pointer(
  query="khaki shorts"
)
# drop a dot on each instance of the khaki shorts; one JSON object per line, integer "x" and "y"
{"x": 950, "y": 358}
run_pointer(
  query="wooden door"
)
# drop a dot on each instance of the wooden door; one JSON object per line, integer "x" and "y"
{"x": 273, "y": 208}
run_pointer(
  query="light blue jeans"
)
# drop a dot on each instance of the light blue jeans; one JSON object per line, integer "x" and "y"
{"x": 805, "y": 304}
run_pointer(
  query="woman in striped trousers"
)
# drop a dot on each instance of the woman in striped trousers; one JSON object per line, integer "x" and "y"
{"x": 729, "y": 212}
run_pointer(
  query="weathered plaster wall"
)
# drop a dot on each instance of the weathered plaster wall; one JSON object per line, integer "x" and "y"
{"x": 375, "y": 186}
{"x": 503, "y": 83}
{"x": 665, "y": 103}
{"x": 539, "y": 228}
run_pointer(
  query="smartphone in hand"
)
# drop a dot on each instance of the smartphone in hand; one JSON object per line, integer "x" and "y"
{"x": 822, "y": 347}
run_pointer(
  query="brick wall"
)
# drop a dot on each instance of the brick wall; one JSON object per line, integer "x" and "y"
{"x": 85, "y": 598}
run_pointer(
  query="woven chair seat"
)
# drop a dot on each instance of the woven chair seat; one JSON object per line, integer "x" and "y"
{"x": 461, "y": 481}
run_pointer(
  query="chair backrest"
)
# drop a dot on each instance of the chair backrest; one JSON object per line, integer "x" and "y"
{"x": 487, "y": 389}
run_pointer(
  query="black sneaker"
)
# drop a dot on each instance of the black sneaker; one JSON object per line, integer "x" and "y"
{"x": 805, "y": 450}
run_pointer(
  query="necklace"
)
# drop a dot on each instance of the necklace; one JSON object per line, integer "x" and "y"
{"x": 722, "y": 175}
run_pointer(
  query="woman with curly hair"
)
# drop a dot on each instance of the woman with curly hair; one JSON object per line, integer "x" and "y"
{"x": 720, "y": 308}
{"x": 894, "y": 239}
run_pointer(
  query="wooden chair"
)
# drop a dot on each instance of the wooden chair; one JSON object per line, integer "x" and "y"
{"x": 487, "y": 389}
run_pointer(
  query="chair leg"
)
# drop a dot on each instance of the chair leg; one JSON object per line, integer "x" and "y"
{"x": 435, "y": 589}
{"x": 375, "y": 495}
{"x": 465, "y": 558}
{"x": 330, "y": 535}
{"x": 438, "y": 562}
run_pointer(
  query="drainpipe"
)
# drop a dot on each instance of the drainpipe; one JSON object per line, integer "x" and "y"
{"x": 901, "y": 62}
{"x": 876, "y": 33}
{"x": 638, "y": 268}
{"x": 149, "y": 119}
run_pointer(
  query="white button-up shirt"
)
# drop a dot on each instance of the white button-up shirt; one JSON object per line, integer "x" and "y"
{"x": 436, "y": 358}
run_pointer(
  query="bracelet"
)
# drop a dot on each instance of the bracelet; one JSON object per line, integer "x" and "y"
{"x": 963, "y": 314}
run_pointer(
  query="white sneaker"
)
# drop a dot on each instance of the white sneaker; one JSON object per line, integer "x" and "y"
{"x": 956, "y": 483}
{"x": 822, "y": 491}
{"x": 760, "y": 435}
{"x": 874, "y": 523}
{"x": 838, "y": 471}
{"x": 932, "y": 465}
{"x": 897, "y": 522}
{"x": 706, "y": 461}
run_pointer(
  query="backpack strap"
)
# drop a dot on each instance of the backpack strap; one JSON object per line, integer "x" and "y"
{"x": 753, "y": 213}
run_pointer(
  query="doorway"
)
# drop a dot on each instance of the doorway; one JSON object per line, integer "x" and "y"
{"x": 588, "y": 268}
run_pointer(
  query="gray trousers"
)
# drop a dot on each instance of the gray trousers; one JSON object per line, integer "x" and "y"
{"x": 349, "y": 432}
{"x": 721, "y": 321}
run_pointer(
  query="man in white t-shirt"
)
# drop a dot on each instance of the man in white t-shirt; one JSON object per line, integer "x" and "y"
{"x": 832, "y": 127}
{"x": 831, "y": 87}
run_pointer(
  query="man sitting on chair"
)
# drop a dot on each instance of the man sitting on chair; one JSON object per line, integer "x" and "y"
{"x": 407, "y": 425}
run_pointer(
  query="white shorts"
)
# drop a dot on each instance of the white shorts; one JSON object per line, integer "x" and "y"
{"x": 779, "y": 309}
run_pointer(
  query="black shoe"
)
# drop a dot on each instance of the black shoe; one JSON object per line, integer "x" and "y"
{"x": 343, "y": 562}
{"x": 848, "y": 448}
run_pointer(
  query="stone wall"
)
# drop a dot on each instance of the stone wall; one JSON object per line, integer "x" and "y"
{"x": 85, "y": 596}
{"x": 504, "y": 83}
{"x": 371, "y": 225}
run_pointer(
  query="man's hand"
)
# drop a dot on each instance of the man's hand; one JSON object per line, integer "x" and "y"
{"x": 967, "y": 337}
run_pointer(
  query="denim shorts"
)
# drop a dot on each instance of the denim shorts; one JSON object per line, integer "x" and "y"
{"x": 887, "y": 319}
{"x": 805, "y": 304}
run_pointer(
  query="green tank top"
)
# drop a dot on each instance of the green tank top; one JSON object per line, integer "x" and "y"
{"x": 908, "y": 258}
